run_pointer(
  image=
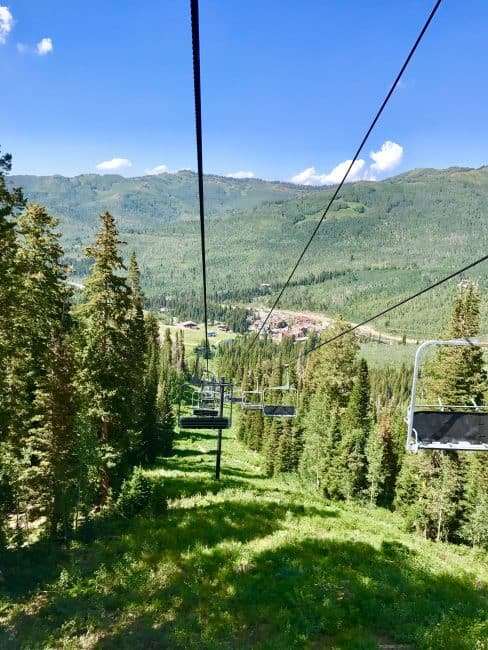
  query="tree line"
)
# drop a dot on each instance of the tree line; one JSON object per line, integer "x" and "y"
{"x": 348, "y": 441}
{"x": 86, "y": 390}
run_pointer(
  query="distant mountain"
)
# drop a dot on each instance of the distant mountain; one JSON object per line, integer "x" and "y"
{"x": 381, "y": 240}
{"x": 147, "y": 201}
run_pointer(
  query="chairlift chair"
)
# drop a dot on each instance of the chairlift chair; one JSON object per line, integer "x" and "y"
{"x": 252, "y": 400}
{"x": 271, "y": 410}
{"x": 457, "y": 427}
{"x": 204, "y": 422}
{"x": 288, "y": 410}
{"x": 206, "y": 415}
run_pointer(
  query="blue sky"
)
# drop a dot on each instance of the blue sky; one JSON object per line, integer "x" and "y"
{"x": 288, "y": 85}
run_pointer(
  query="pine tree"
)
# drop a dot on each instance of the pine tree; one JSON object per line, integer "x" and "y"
{"x": 285, "y": 452}
{"x": 54, "y": 469}
{"x": 350, "y": 463}
{"x": 39, "y": 329}
{"x": 428, "y": 494}
{"x": 457, "y": 374}
{"x": 136, "y": 358}
{"x": 10, "y": 203}
{"x": 331, "y": 370}
{"x": 167, "y": 349}
{"x": 381, "y": 462}
{"x": 318, "y": 462}
{"x": 355, "y": 426}
{"x": 104, "y": 378}
{"x": 166, "y": 421}
{"x": 150, "y": 423}
{"x": 270, "y": 446}
{"x": 358, "y": 413}
{"x": 475, "y": 528}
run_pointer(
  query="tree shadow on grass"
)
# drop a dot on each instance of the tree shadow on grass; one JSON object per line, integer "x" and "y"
{"x": 185, "y": 453}
{"x": 186, "y": 581}
{"x": 124, "y": 566}
{"x": 316, "y": 594}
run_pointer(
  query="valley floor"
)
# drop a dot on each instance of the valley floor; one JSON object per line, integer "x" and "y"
{"x": 248, "y": 563}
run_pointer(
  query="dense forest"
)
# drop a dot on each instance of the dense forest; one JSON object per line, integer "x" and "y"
{"x": 348, "y": 441}
{"x": 381, "y": 240}
{"x": 86, "y": 391}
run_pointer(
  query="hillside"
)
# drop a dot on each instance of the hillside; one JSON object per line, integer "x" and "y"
{"x": 147, "y": 202}
{"x": 249, "y": 563}
{"x": 381, "y": 241}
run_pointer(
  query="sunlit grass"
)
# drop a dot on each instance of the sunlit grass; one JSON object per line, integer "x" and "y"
{"x": 247, "y": 562}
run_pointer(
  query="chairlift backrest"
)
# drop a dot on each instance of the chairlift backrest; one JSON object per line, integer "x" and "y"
{"x": 442, "y": 426}
{"x": 287, "y": 410}
{"x": 252, "y": 400}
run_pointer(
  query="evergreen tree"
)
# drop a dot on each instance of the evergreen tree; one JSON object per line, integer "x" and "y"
{"x": 355, "y": 425}
{"x": 270, "y": 446}
{"x": 105, "y": 378}
{"x": 54, "y": 470}
{"x": 457, "y": 375}
{"x": 331, "y": 370}
{"x": 428, "y": 494}
{"x": 381, "y": 462}
{"x": 285, "y": 452}
{"x": 357, "y": 414}
{"x": 475, "y": 528}
{"x": 10, "y": 203}
{"x": 318, "y": 462}
{"x": 136, "y": 360}
{"x": 350, "y": 463}
{"x": 150, "y": 423}
{"x": 166, "y": 421}
{"x": 39, "y": 329}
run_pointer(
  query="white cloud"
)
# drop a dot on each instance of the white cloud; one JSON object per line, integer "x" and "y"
{"x": 6, "y": 24}
{"x": 114, "y": 164}
{"x": 337, "y": 174}
{"x": 310, "y": 176}
{"x": 22, "y": 48}
{"x": 159, "y": 169}
{"x": 45, "y": 46}
{"x": 387, "y": 158}
{"x": 241, "y": 174}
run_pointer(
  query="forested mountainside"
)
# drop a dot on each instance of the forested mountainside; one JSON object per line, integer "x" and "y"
{"x": 147, "y": 202}
{"x": 381, "y": 240}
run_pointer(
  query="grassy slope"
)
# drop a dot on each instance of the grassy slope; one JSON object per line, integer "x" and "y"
{"x": 248, "y": 563}
{"x": 194, "y": 338}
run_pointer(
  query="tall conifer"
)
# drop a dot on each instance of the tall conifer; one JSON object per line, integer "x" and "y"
{"x": 105, "y": 378}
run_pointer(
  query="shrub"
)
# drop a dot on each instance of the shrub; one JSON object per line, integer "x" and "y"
{"x": 141, "y": 495}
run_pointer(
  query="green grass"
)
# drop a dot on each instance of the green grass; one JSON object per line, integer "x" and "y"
{"x": 249, "y": 562}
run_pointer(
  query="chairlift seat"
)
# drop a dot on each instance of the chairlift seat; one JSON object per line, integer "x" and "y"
{"x": 202, "y": 422}
{"x": 205, "y": 412}
{"x": 279, "y": 411}
{"x": 251, "y": 406}
{"x": 461, "y": 430}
